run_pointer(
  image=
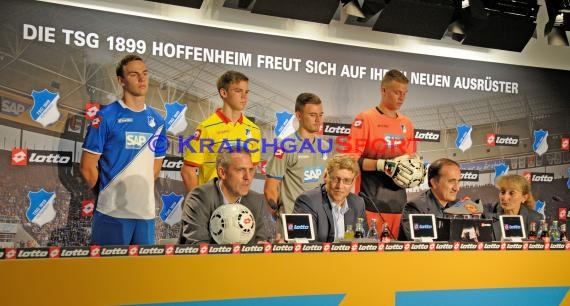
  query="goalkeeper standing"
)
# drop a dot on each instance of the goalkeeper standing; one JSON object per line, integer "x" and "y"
{"x": 381, "y": 140}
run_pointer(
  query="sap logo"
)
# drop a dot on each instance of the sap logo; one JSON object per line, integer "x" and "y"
{"x": 393, "y": 140}
{"x": 312, "y": 175}
{"x": 135, "y": 140}
{"x": 12, "y": 108}
{"x": 542, "y": 177}
{"x": 427, "y": 135}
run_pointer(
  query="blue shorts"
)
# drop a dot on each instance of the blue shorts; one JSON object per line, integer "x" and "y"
{"x": 106, "y": 230}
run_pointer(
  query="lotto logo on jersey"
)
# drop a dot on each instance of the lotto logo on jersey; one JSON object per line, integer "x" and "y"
{"x": 357, "y": 123}
{"x": 136, "y": 140}
{"x": 312, "y": 174}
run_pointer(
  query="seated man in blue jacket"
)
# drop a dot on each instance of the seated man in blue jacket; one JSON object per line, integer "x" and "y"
{"x": 332, "y": 204}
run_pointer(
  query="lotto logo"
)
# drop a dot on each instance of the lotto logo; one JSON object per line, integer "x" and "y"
{"x": 357, "y": 123}
{"x": 19, "y": 157}
{"x": 279, "y": 153}
{"x": 562, "y": 213}
{"x": 91, "y": 110}
{"x": 565, "y": 144}
{"x": 491, "y": 139}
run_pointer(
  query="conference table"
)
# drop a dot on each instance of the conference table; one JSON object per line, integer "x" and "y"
{"x": 352, "y": 273}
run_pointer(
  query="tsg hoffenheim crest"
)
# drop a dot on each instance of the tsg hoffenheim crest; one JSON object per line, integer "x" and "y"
{"x": 284, "y": 125}
{"x": 463, "y": 141}
{"x": 501, "y": 169}
{"x": 171, "y": 211}
{"x": 45, "y": 110}
{"x": 40, "y": 211}
{"x": 175, "y": 117}
{"x": 540, "y": 207}
{"x": 539, "y": 145}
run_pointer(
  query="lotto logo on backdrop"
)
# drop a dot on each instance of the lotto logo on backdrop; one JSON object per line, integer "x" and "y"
{"x": 562, "y": 213}
{"x": 19, "y": 157}
{"x": 502, "y": 140}
{"x": 91, "y": 110}
{"x": 87, "y": 208}
{"x": 565, "y": 144}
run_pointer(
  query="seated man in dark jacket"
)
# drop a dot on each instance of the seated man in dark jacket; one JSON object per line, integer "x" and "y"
{"x": 235, "y": 175}
{"x": 443, "y": 180}
{"x": 332, "y": 204}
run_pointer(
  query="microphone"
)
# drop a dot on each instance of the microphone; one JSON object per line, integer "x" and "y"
{"x": 366, "y": 198}
{"x": 557, "y": 198}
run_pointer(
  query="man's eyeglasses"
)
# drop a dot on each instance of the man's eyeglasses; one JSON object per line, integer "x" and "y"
{"x": 345, "y": 181}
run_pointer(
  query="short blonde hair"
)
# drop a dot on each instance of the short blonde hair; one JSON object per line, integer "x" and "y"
{"x": 340, "y": 161}
{"x": 517, "y": 182}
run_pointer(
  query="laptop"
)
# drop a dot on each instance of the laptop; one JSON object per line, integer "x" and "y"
{"x": 298, "y": 228}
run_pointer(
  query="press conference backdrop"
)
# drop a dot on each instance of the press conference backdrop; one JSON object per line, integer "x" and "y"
{"x": 493, "y": 118}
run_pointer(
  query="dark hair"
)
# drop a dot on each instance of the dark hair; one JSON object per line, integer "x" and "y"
{"x": 230, "y": 77}
{"x": 304, "y": 99}
{"x": 124, "y": 61}
{"x": 394, "y": 75}
{"x": 435, "y": 168}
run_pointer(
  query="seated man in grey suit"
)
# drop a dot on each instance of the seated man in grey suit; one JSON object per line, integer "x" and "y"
{"x": 332, "y": 204}
{"x": 235, "y": 175}
{"x": 444, "y": 176}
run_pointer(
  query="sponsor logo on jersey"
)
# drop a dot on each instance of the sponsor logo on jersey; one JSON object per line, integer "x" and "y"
{"x": 336, "y": 129}
{"x": 394, "y": 140}
{"x": 125, "y": 120}
{"x": 470, "y": 175}
{"x": 12, "y": 108}
{"x": 357, "y": 123}
{"x": 312, "y": 174}
{"x": 427, "y": 135}
{"x": 279, "y": 153}
{"x": 463, "y": 141}
{"x": 136, "y": 140}
{"x": 19, "y": 157}
{"x": 540, "y": 144}
{"x": 91, "y": 110}
{"x": 96, "y": 122}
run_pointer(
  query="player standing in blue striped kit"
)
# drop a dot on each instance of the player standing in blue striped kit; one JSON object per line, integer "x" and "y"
{"x": 120, "y": 161}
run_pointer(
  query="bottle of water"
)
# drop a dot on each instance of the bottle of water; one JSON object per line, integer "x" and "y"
{"x": 372, "y": 231}
{"x": 359, "y": 230}
{"x": 554, "y": 232}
